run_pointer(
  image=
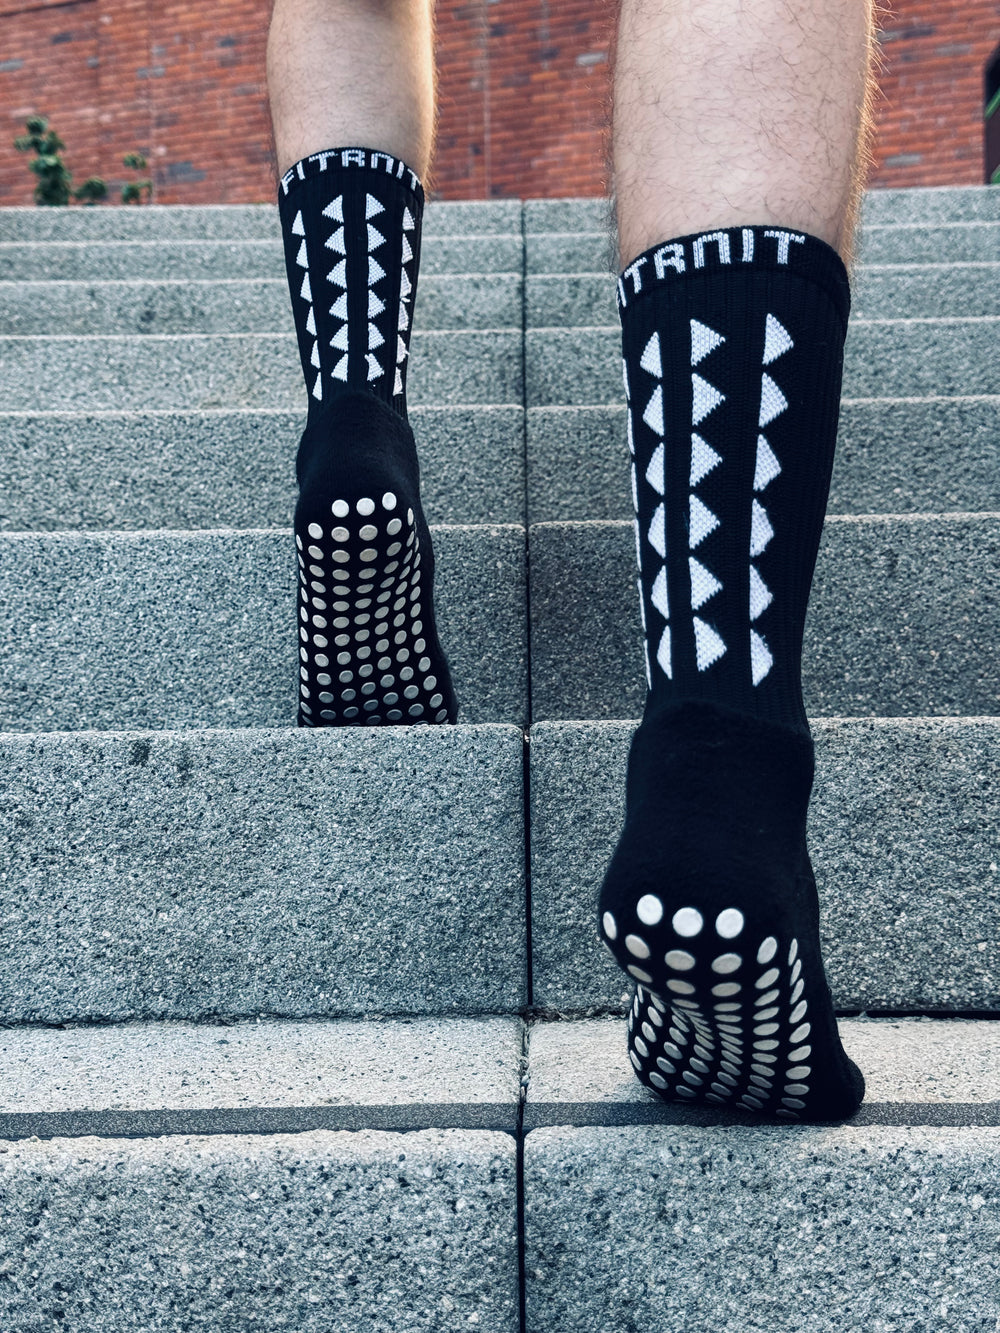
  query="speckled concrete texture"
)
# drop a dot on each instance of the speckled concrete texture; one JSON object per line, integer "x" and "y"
{"x": 247, "y": 873}
{"x": 178, "y": 629}
{"x": 918, "y": 455}
{"x": 890, "y": 291}
{"x": 445, "y": 301}
{"x": 936, "y": 203}
{"x": 913, "y": 1060}
{"x": 890, "y": 359}
{"x": 229, "y": 222}
{"x": 190, "y": 260}
{"x": 806, "y": 1230}
{"x": 135, "y": 1066}
{"x": 929, "y": 586}
{"x": 903, "y": 833}
{"x": 199, "y": 372}
{"x": 316, "y": 1233}
{"x": 67, "y": 470}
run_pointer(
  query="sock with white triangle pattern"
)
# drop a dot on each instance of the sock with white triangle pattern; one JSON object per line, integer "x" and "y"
{"x": 733, "y": 356}
{"x": 369, "y": 650}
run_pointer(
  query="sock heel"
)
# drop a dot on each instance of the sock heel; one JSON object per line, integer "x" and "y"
{"x": 710, "y": 905}
{"x": 369, "y": 650}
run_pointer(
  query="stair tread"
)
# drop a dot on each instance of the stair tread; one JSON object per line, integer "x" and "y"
{"x": 195, "y": 629}
{"x": 919, "y": 1061}
{"x": 231, "y": 468}
{"x": 264, "y": 872}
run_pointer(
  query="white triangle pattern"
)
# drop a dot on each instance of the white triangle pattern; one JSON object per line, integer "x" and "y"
{"x": 702, "y": 522}
{"x": 337, "y": 242}
{"x": 663, "y": 653}
{"x": 709, "y": 646}
{"x": 655, "y": 471}
{"x": 703, "y": 459}
{"x": 767, "y": 466}
{"x": 372, "y": 208}
{"x": 650, "y": 360}
{"x": 761, "y": 660}
{"x": 405, "y": 291}
{"x": 761, "y": 530}
{"x": 653, "y": 415}
{"x": 777, "y": 341}
{"x": 703, "y": 341}
{"x": 298, "y": 229}
{"x": 706, "y": 398}
{"x": 761, "y": 595}
{"x": 703, "y": 583}
{"x": 772, "y": 401}
{"x": 657, "y": 533}
{"x": 658, "y": 596}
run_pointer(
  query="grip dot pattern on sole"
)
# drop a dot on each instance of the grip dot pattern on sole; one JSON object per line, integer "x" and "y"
{"x": 729, "y": 1022}
{"x": 366, "y": 657}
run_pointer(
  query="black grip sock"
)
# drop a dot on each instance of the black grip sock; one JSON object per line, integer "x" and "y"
{"x": 733, "y": 356}
{"x": 369, "y": 650}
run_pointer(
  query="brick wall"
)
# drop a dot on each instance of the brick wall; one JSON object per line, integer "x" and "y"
{"x": 523, "y": 93}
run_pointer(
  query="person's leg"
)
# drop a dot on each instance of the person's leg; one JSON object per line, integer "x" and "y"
{"x": 346, "y": 73}
{"x": 352, "y": 99}
{"x": 736, "y": 144}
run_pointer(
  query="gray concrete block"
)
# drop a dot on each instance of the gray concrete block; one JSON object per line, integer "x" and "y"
{"x": 234, "y": 469}
{"x": 444, "y": 301}
{"x": 919, "y": 1061}
{"x": 187, "y": 261}
{"x": 930, "y": 243}
{"x": 894, "y": 456}
{"x": 929, "y": 586}
{"x": 903, "y": 830}
{"x": 570, "y": 252}
{"x": 275, "y": 1064}
{"x": 757, "y": 1229}
{"x": 931, "y": 204}
{"x": 883, "y": 359}
{"x": 568, "y": 215}
{"x": 882, "y": 291}
{"x": 201, "y": 372}
{"x": 177, "y": 629}
{"x": 192, "y": 875}
{"x": 229, "y": 222}
{"x": 321, "y": 1232}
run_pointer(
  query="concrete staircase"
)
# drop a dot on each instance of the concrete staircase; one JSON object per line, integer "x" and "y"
{"x": 309, "y": 1030}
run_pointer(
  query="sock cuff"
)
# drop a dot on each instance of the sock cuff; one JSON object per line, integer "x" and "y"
{"x": 734, "y": 250}
{"x": 343, "y": 160}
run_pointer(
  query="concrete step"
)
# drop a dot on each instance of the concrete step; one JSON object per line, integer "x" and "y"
{"x": 891, "y": 358}
{"x": 232, "y": 469}
{"x": 267, "y": 1075}
{"x": 933, "y": 205}
{"x": 195, "y": 874}
{"x": 228, "y": 222}
{"x": 207, "y": 1177}
{"x": 926, "y": 642}
{"x": 187, "y": 261}
{"x": 902, "y": 834}
{"x": 233, "y": 305}
{"x": 904, "y": 455}
{"x": 883, "y": 291}
{"x": 180, "y": 629}
{"x": 579, "y": 251}
{"x": 199, "y": 372}
{"x": 887, "y": 1223}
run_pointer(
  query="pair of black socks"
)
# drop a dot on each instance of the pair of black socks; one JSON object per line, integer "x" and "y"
{"x": 733, "y": 344}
